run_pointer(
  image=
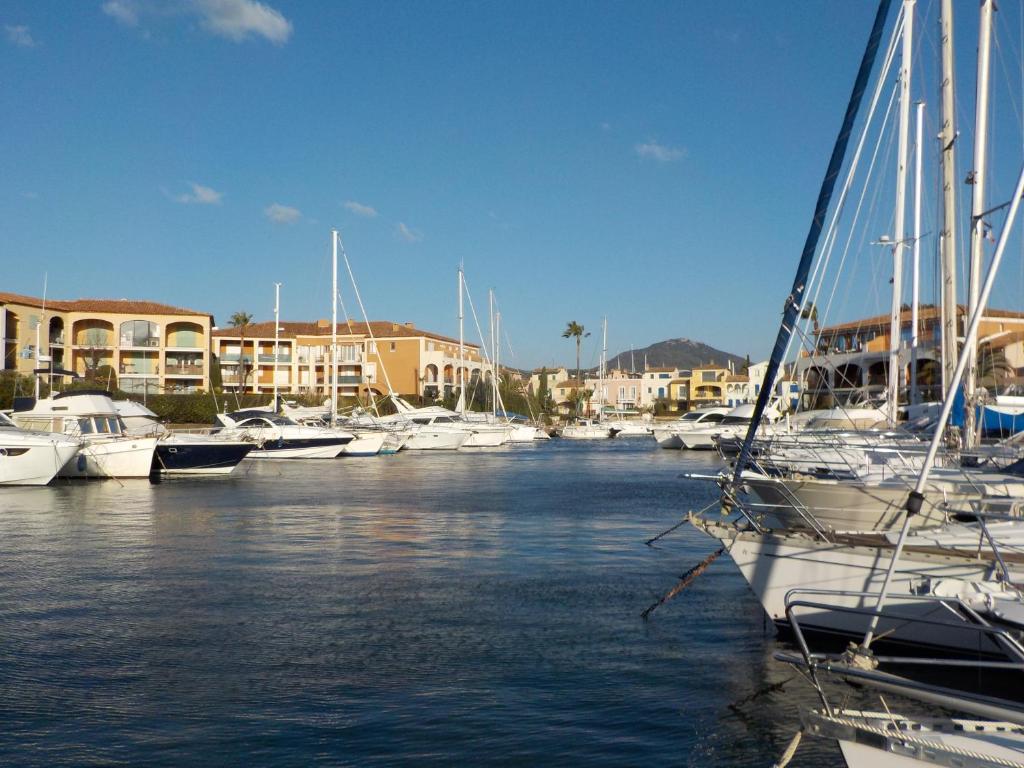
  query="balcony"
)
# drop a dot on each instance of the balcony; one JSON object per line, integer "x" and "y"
{"x": 280, "y": 358}
{"x": 57, "y": 340}
{"x": 350, "y": 380}
{"x": 234, "y": 358}
{"x": 183, "y": 370}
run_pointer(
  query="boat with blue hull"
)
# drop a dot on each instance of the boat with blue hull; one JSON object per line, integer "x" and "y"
{"x": 183, "y": 453}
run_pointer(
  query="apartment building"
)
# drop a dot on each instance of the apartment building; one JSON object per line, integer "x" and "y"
{"x": 372, "y": 359}
{"x": 146, "y": 346}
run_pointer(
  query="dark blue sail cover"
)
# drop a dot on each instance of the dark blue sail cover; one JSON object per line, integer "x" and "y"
{"x": 794, "y": 302}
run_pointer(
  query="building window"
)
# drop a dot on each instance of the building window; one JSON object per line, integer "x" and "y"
{"x": 140, "y": 333}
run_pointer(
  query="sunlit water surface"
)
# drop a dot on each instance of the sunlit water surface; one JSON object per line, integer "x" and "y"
{"x": 470, "y": 608}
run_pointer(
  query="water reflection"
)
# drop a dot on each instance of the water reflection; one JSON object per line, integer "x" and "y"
{"x": 425, "y": 608}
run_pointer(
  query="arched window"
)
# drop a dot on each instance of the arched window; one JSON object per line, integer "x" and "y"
{"x": 140, "y": 333}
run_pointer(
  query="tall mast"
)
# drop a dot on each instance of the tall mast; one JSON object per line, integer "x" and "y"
{"x": 334, "y": 326}
{"x": 916, "y": 283}
{"x": 462, "y": 350}
{"x": 604, "y": 361}
{"x": 899, "y": 229}
{"x": 497, "y": 367}
{"x": 980, "y": 177}
{"x": 490, "y": 312}
{"x": 948, "y": 241}
{"x": 39, "y": 345}
{"x": 277, "y": 328}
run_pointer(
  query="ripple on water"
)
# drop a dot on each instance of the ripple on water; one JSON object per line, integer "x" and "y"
{"x": 425, "y": 608}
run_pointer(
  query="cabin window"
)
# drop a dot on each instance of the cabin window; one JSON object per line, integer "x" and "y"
{"x": 85, "y": 426}
{"x": 114, "y": 426}
{"x": 101, "y": 425}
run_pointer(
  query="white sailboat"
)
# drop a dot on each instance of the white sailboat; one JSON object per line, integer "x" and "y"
{"x": 593, "y": 429}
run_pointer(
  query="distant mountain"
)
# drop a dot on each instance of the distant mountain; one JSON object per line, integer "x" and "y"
{"x": 675, "y": 353}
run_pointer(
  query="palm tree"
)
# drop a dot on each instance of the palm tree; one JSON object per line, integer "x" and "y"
{"x": 241, "y": 320}
{"x": 574, "y": 330}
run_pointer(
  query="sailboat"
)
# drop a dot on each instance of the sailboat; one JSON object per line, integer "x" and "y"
{"x": 593, "y": 429}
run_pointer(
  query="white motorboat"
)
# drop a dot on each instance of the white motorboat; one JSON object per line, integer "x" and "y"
{"x": 667, "y": 434}
{"x": 32, "y": 458}
{"x": 629, "y": 427}
{"x": 735, "y": 423}
{"x": 107, "y": 451}
{"x": 366, "y": 443}
{"x": 586, "y": 429}
{"x": 278, "y": 437}
{"x": 183, "y": 453}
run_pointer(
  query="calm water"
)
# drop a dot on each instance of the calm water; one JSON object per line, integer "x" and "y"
{"x": 425, "y": 608}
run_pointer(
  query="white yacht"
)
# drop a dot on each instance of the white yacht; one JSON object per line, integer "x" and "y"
{"x": 107, "y": 450}
{"x": 32, "y": 458}
{"x": 734, "y": 423}
{"x": 667, "y": 434}
{"x": 278, "y": 437}
{"x": 586, "y": 429}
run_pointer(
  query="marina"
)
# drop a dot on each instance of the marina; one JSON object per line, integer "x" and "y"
{"x": 307, "y": 535}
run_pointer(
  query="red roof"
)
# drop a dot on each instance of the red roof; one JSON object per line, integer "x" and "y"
{"x": 121, "y": 306}
{"x": 382, "y": 329}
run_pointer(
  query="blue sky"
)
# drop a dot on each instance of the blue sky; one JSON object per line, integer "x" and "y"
{"x": 653, "y": 162}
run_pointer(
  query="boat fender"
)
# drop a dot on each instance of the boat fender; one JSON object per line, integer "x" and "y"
{"x": 81, "y": 462}
{"x": 914, "y": 502}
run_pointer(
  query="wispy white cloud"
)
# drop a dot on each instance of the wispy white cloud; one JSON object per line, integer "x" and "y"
{"x": 282, "y": 214}
{"x": 236, "y": 20}
{"x": 200, "y": 195}
{"x": 29, "y": 195}
{"x": 239, "y": 19}
{"x": 660, "y": 152}
{"x": 125, "y": 11}
{"x": 606, "y": 126}
{"x": 366, "y": 211}
{"x": 19, "y": 35}
{"x": 407, "y": 234}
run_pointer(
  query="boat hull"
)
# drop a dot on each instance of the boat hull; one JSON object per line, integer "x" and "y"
{"x": 130, "y": 457}
{"x": 435, "y": 440}
{"x": 365, "y": 445}
{"x": 34, "y": 464}
{"x": 311, "y": 448}
{"x": 199, "y": 458}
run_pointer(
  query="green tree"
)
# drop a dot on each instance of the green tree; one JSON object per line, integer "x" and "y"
{"x": 574, "y": 330}
{"x": 543, "y": 393}
{"x": 241, "y": 321}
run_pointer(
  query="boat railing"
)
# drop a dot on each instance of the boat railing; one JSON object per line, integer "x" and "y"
{"x": 969, "y": 621}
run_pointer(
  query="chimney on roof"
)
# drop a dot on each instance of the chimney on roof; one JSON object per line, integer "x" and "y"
{"x": 394, "y": 327}
{"x": 323, "y": 323}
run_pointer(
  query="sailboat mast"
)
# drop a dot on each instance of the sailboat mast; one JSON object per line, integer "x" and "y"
{"x": 899, "y": 230}
{"x": 604, "y": 361}
{"x": 980, "y": 177}
{"x": 334, "y": 326}
{"x": 462, "y": 347}
{"x": 948, "y": 138}
{"x": 490, "y": 312}
{"x": 277, "y": 329}
{"x": 497, "y": 367}
{"x": 916, "y": 281}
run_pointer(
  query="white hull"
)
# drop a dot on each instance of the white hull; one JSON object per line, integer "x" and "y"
{"x": 436, "y": 440}
{"x": 781, "y": 567}
{"x": 365, "y": 445}
{"x": 585, "y": 432}
{"x": 304, "y": 452}
{"x": 113, "y": 458}
{"x": 486, "y": 438}
{"x": 523, "y": 434}
{"x": 22, "y": 464}
{"x": 668, "y": 438}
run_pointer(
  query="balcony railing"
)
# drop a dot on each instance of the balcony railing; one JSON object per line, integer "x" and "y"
{"x": 131, "y": 370}
{"x": 183, "y": 370}
{"x": 57, "y": 340}
{"x": 130, "y": 341}
{"x": 280, "y": 358}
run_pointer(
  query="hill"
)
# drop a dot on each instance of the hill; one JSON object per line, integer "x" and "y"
{"x": 677, "y": 353}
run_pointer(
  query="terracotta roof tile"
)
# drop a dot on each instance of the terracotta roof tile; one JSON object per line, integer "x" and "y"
{"x": 120, "y": 306}
{"x": 382, "y": 329}
{"x": 924, "y": 313}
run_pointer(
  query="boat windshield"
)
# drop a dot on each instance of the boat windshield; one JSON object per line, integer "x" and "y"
{"x": 691, "y": 416}
{"x": 712, "y": 418}
{"x": 736, "y": 420}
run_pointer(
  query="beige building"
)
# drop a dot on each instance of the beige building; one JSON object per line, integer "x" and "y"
{"x": 370, "y": 356}
{"x": 149, "y": 347}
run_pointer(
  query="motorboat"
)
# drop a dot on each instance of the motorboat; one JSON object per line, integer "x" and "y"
{"x": 32, "y": 458}
{"x": 279, "y": 437}
{"x": 667, "y": 434}
{"x": 107, "y": 449}
{"x": 183, "y": 453}
{"x": 703, "y": 438}
{"x": 586, "y": 429}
